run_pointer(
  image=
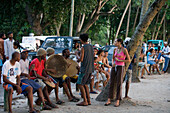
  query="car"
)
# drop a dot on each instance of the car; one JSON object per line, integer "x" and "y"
{"x": 110, "y": 49}
{"x": 157, "y": 43}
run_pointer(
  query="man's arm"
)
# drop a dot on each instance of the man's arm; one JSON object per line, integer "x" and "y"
{"x": 5, "y": 49}
{"x": 81, "y": 55}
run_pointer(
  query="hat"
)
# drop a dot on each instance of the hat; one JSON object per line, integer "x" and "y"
{"x": 50, "y": 50}
{"x": 165, "y": 43}
{"x": 41, "y": 52}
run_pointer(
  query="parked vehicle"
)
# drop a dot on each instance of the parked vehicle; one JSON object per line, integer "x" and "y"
{"x": 157, "y": 43}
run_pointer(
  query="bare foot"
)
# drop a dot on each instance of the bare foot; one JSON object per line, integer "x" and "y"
{"x": 99, "y": 90}
{"x": 82, "y": 104}
{"x": 89, "y": 103}
{"x": 117, "y": 104}
{"x": 127, "y": 97}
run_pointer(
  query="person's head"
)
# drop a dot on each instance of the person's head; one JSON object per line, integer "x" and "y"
{"x": 16, "y": 56}
{"x": 16, "y": 44}
{"x": 10, "y": 35}
{"x": 50, "y": 51}
{"x": 165, "y": 44}
{"x": 2, "y": 35}
{"x": 76, "y": 45}
{"x": 150, "y": 44}
{"x": 106, "y": 53}
{"x": 41, "y": 53}
{"x": 95, "y": 59}
{"x": 66, "y": 53}
{"x": 100, "y": 52}
{"x": 95, "y": 51}
{"x": 83, "y": 38}
{"x": 118, "y": 42}
{"x": 153, "y": 45}
{"x": 24, "y": 54}
{"x": 151, "y": 50}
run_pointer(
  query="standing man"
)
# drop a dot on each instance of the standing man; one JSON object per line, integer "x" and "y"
{"x": 2, "y": 36}
{"x": 8, "y": 46}
{"x": 166, "y": 54}
{"x": 87, "y": 67}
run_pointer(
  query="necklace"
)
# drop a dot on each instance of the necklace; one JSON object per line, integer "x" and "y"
{"x": 119, "y": 50}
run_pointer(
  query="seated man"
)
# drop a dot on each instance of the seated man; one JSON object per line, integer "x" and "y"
{"x": 62, "y": 82}
{"x": 166, "y": 54}
{"x": 25, "y": 78}
{"x": 38, "y": 75}
{"x": 11, "y": 77}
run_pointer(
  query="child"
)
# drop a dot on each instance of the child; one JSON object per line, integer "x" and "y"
{"x": 16, "y": 46}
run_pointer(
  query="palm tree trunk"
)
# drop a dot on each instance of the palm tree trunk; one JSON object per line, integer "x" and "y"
{"x": 153, "y": 34}
{"x": 127, "y": 28}
{"x": 136, "y": 17}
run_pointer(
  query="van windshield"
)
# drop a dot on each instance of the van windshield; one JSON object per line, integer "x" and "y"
{"x": 59, "y": 42}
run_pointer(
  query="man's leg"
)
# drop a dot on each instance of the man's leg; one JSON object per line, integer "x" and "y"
{"x": 68, "y": 82}
{"x": 129, "y": 75}
{"x": 10, "y": 91}
{"x": 83, "y": 93}
{"x": 66, "y": 90}
{"x": 40, "y": 95}
{"x": 92, "y": 84}
{"x": 30, "y": 97}
{"x": 87, "y": 94}
{"x": 166, "y": 64}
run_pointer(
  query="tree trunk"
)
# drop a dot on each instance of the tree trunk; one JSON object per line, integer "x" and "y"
{"x": 137, "y": 37}
{"x": 154, "y": 30}
{"x": 80, "y": 23}
{"x": 57, "y": 27}
{"x": 136, "y": 17}
{"x": 122, "y": 19}
{"x": 127, "y": 28}
{"x": 71, "y": 19}
{"x": 164, "y": 30}
{"x": 161, "y": 23}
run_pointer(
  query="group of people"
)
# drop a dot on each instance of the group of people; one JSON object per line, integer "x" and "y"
{"x": 27, "y": 78}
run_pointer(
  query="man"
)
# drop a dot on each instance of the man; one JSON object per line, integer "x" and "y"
{"x": 166, "y": 54}
{"x": 87, "y": 67}
{"x": 25, "y": 78}
{"x": 2, "y": 37}
{"x": 60, "y": 82}
{"x": 106, "y": 62}
{"x": 11, "y": 77}
{"x": 38, "y": 75}
{"x": 8, "y": 46}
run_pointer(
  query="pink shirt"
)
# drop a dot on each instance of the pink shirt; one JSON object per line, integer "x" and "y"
{"x": 120, "y": 56}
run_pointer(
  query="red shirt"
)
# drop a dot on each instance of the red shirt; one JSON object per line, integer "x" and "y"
{"x": 39, "y": 67}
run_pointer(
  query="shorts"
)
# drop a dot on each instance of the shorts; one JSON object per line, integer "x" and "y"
{"x": 151, "y": 62}
{"x": 40, "y": 82}
{"x": 128, "y": 77}
{"x": 60, "y": 80}
{"x": 73, "y": 78}
{"x": 102, "y": 77}
{"x": 141, "y": 64}
{"x": 107, "y": 69}
{"x": 23, "y": 87}
{"x": 32, "y": 83}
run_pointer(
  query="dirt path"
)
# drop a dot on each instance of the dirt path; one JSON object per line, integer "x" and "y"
{"x": 151, "y": 95}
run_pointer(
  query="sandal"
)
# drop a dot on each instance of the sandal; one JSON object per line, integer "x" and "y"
{"x": 107, "y": 104}
{"x": 73, "y": 100}
{"x": 76, "y": 98}
{"x": 81, "y": 104}
{"x": 143, "y": 78}
{"x": 51, "y": 105}
{"x": 46, "y": 107}
{"x": 93, "y": 92}
{"x": 59, "y": 102}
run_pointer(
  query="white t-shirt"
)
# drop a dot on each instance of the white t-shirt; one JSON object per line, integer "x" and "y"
{"x": 24, "y": 67}
{"x": 166, "y": 50}
{"x": 11, "y": 71}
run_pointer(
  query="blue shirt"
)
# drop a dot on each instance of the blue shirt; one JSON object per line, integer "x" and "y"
{"x": 130, "y": 66}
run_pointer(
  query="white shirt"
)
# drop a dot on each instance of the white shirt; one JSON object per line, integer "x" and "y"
{"x": 11, "y": 71}
{"x": 166, "y": 50}
{"x": 24, "y": 66}
{"x": 8, "y": 48}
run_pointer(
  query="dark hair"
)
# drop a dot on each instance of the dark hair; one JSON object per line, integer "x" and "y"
{"x": 16, "y": 43}
{"x": 95, "y": 58}
{"x": 151, "y": 50}
{"x": 2, "y": 34}
{"x": 159, "y": 48}
{"x": 14, "y": 54}
{"x": 120, "y": 40}
{"x": 64, "y": 51}
{"x": 95, "y": 49}
{"x": 84, "y": 37}
{"x": 105, "y": 51}
{"x": 100, "y": 51}
{"x": 9, "y": 33}
{"x": 149, "y": 43}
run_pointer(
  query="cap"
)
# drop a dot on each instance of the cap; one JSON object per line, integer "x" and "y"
{"x": 50, "y": 50}
{"x": 41, "y": 52}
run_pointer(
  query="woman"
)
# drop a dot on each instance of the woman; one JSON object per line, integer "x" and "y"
{"x": 142, "y": 64}
{"x": 119, "y": 55}
{"x": 150, "y": 60}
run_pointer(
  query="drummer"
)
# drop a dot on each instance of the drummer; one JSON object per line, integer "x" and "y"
{"x": 25, "y": 78}
{"x": 38, "y": 75}
{"x": 60, "y": 83}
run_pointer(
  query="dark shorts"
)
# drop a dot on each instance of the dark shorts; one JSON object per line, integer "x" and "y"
{"x": 23, "y": 87}
{"x": 32, "y": 83}
{"x": 60, "y": 80}
{"x": 0, "y": 68}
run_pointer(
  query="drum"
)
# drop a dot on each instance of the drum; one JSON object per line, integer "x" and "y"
{"x": 56, "y": 62}
{"x": 51, "y": 84}
{"x": 72, "y": 70}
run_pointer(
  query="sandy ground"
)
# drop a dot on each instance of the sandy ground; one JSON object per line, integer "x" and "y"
{"x": 151, "y": 95}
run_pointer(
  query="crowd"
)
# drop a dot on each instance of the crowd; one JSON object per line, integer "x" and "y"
{"x": 94, "y": 69}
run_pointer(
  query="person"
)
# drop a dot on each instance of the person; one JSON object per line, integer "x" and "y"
{"x": 2, "y": 36}
{"x": 87, "y": 67}
{"x": 8, "y": 46}
{"x": 11, "y": 77}
{"x": 119, "y": 55}
{"x": 143, "y": 64}
{"x": 107, "y": 67}
{"x": 38, "y": 74}
{"x": 166, "y": 54}
{"x": 50, "y": 51}
{"x": 25, "y": 78}
{"x": 16, "y": 46}
{"x": 150, "y": 60}
{"x": 62, "y": 81}
{"x": 149, "y": 47}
